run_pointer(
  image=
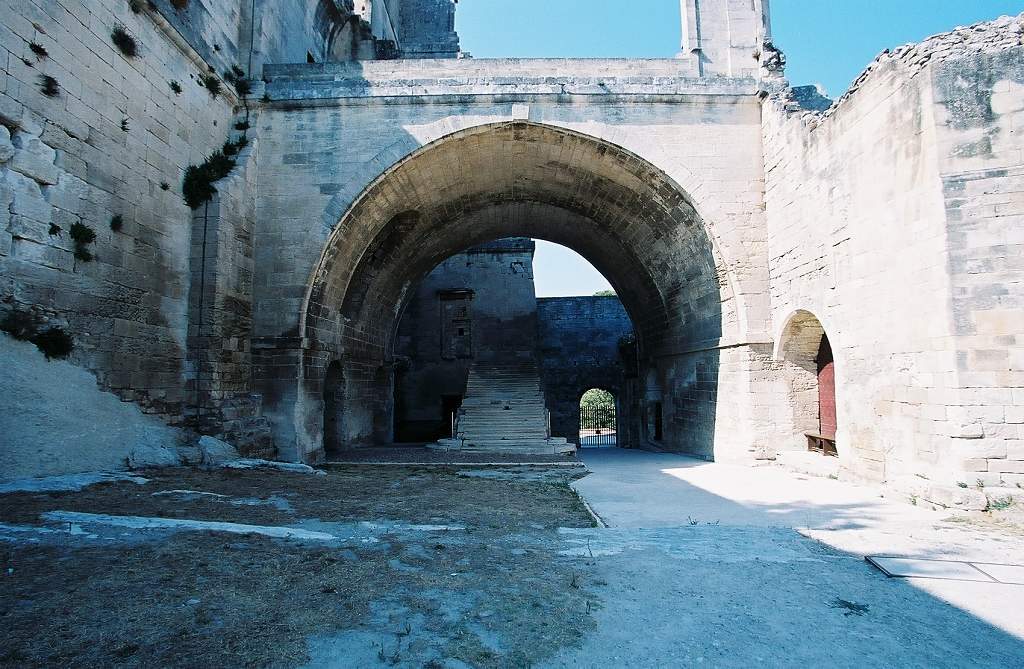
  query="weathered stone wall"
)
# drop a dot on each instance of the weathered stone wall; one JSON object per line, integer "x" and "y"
{"x": 114, "y": 141}
{"x": 428, "y": 29}
{"x": 72, "y": 161}
{"x": 978, "y": 93}
{"x": 890, "y": 219}
{"x": 502, "y": 318}
{"x": 247, "y": 33}
{"x": 579, "y": 342}
{"x": 289, "y": 32}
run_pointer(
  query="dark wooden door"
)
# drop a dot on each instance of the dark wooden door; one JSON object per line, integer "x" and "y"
{"x": 826, "y": 390}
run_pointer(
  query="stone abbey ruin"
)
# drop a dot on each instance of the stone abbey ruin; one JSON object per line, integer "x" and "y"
{"x": 217, "y": 212}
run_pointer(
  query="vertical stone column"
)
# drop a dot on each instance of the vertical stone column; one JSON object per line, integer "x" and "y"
{"x": 722, "y": 37}
{"x": 219, "y": 362}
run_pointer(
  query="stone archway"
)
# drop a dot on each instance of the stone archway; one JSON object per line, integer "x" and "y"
{"x": 808, "y": 370}
{"x": 597, "y": 417}
{"x": 630, "y": 220}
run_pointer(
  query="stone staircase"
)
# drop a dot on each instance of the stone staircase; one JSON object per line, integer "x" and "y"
{"x": 504, "y": 411}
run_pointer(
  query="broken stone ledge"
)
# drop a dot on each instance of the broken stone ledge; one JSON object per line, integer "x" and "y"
{"x": 918, "y": 490}
{"x": 207, "y": 452}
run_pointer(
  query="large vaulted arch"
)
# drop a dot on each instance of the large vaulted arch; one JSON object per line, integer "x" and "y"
{"x": 634, "y": 223}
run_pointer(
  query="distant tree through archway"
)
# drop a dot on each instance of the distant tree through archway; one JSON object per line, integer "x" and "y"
{"x": 598, "y": 419}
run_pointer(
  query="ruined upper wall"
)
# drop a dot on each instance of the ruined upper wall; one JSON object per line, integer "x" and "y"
{"x": 291, "y": 32}
{"x": 893, "y": 216}
{"x": 211, "y": 28}
{"x": 249, "y": 33}
{"x": 980, "y": 40}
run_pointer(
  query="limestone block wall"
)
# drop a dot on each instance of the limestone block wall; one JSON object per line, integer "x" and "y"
{"x": 114, "y": 140}
{"x": 579, "y": 348}
{"x": 220, "y": 366}
{"x": 979, "y": 115}
{"x": 249, "y": 33}
{"x": 214, "y": 29}
{"x": 288, "y": 32}
{"x": 856, "y": 238}
{"x": 427, "y": 29}
{"x": 503, "y": 318}
{"x": 883, "y": 223}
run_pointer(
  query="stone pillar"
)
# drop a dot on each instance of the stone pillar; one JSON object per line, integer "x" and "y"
{"x": 293, "y": 404}
{"x": 722, "y": 37}
{"x": 219, "y": 371}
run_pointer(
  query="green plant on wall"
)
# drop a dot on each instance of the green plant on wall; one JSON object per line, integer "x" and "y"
{"x": 211, "y": 83}
{"x": 82, "y": 235}
{"x": 236, "y": 77}
{"x": 49, "y": 86}
{"x": 124, "y": 41}
{"x": 198, "y": 188}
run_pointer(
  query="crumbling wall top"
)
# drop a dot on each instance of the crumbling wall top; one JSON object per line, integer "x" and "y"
{"x": 987, "y": 37}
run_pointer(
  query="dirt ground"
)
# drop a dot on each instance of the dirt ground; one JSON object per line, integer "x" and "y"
{"x": 474, "y": 566}
{"x": 439, "y": 567}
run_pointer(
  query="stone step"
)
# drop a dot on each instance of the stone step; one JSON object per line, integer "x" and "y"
{"x": 520, "y": 421}
{"x": 534, "y": 447}
{"x": 504, "y": 408}
{"x": 499, "y": 410}
{"x": 498, "y": 386}
{"x": 489, "y": 435}
{"x": 495, "y": 397}
{"x": 514, "y": 427}
{"x": 483, "y": 439}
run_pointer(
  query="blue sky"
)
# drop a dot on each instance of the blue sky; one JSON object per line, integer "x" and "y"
{"x": 826, "y": 42}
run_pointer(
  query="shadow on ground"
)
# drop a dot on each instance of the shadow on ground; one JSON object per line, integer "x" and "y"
{"x": 448, "y": 567}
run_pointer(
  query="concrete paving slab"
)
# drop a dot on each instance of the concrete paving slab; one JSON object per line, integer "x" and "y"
{"x": 944, "y": 569}
{"x": 631, "y": 488}
{"x": 1004, "y": 573}
{"x": 719, "y": 596}
{"x": 636, "y": 489}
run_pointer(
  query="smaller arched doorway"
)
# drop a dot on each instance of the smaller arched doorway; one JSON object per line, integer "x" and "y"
{"x": 334, "y": 408}
{"x": 598, "y": 419}
{"x": 809, "y": 370}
